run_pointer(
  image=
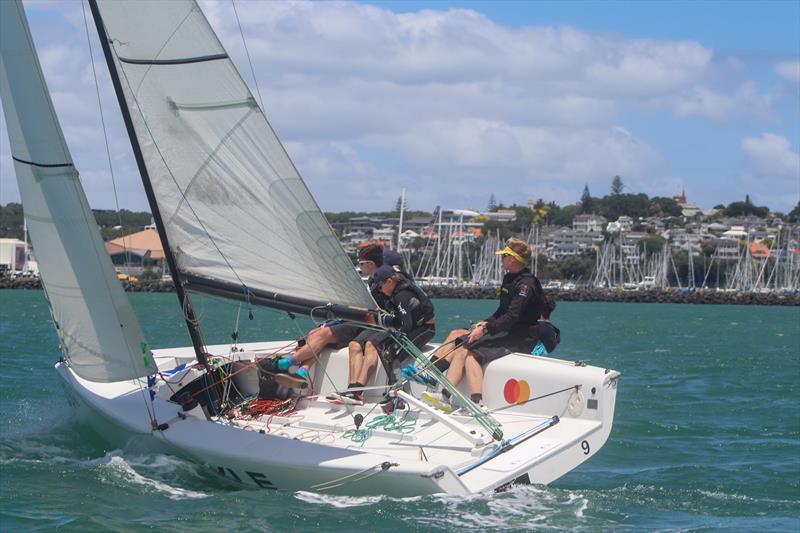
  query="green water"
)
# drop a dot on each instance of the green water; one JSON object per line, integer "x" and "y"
{"x": 706, "y": 435}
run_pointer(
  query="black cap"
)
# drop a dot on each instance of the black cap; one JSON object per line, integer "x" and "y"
{"x": 381, "y": 275}
{"x": 393, "y": 259}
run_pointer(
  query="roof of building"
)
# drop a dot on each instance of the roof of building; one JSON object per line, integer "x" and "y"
{"x": 139, "y": 242}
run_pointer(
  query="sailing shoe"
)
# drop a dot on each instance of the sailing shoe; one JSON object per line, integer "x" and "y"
{"x": 435, "y": 399}
{"x": 413, "y": 373}
{"x": 347, "y": 398}
{"x": 292, "y": 381}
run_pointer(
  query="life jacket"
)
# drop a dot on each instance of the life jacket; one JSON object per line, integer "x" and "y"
{"x": 421, "y": 313}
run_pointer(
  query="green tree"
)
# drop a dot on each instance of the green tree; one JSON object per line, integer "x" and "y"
{"x": 586, "y": 200}
{"x": 738, "y": 209}
{"x": 663, "y": 207}
{"x": 794, "y": 214}
{"x": 492, "y": 206}
{"x": 617, "y": 185}
{"x": 562, "y": 216}
{"x": 616, "y": 205}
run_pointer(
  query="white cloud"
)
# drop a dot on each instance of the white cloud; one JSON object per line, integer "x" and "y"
{"x": 704, "y": 102}
{"x": 772, "y": 170}
{"x": 447, "y": 101}
{"x": 789, "y": 70}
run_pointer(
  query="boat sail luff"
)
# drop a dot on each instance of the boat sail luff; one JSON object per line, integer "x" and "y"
{"x": 235, "y": 209}
{"x": 99, "y": 333}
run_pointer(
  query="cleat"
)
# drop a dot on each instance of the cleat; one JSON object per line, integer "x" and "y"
{"x": 437, "y": 401}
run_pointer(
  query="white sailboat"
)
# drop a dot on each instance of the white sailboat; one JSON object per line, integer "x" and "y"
{"x": 237, "y": 221}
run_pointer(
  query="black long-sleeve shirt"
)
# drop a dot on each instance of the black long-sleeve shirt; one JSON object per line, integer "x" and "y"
{"x": 411, "y": 308}
{"x": 521, "y": 305}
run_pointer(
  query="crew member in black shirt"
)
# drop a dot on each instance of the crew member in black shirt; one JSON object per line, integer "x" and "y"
{"x": 414, "y": 316}
{"x": 511, "y": 328}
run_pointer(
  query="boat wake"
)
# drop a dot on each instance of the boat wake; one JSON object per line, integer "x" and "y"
{"x": 521, "y": 507}
{"x": 339, "y": 502}
{"x": 116, "y": 469}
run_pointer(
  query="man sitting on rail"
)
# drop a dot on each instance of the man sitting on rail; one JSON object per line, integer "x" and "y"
{"x": 333, "y": 333}
{"x": 513, "y": 327}
{"x": 414, "y": 316}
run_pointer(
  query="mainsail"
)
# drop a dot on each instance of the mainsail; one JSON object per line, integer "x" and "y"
{"x": 238, "y": 217}
{"x": 99, "y": 332}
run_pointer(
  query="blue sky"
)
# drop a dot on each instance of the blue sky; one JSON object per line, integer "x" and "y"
{"x": 455, "y": 101}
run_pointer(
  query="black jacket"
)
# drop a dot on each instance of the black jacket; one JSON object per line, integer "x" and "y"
{"x": 521, "y": 305}
{"x": 411, "y": 307}
{"x": 549, "y": 335}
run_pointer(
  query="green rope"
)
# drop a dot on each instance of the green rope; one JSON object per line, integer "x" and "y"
{"x": 391, "y": 423}
{"x": 358, "y": 435}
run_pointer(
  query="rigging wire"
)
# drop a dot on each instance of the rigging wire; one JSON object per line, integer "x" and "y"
{"x": 103, "y": 123}
{"x": 145, "y": 396}
{"x": 247, "y": 52}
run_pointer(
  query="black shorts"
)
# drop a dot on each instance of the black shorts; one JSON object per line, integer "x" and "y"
{"x": 377, "y": 338}
{"x": 344, "y": 333}
{"x": 492, "y": 347}
{"x": 420, "y": 336}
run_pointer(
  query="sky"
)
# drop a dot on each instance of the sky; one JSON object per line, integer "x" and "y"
{"x": 456, "y": 101}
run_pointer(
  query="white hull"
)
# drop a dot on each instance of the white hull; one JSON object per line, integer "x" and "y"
{"x": 309, "y": 451}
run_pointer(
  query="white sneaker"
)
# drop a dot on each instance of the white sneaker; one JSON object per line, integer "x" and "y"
{"x": 437, "y": 400}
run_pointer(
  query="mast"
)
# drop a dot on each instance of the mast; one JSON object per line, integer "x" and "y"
{"x": 183, "y": 297}
{"x": 400, "y": 226}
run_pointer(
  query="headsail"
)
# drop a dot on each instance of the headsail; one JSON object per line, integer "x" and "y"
{"x": 99, "y": 332}
{"x": 237, "y": 215}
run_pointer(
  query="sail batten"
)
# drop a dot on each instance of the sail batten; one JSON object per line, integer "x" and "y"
{"x": 177, "y": 61}
{"x": 99, "y": 333}
{"x": 235, "y": 208}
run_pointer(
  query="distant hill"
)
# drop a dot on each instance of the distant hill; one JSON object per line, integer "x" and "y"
{"x": 112, "y": 224}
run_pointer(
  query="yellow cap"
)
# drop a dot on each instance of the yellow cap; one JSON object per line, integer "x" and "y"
{"x": 512, "y": 253}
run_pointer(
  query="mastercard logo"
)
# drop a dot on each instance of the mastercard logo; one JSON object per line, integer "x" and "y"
{"x": 517, "y": 391}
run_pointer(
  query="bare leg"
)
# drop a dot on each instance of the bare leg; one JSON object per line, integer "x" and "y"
{"x": 370, "y": 362}
{"x": 316, "y": 340}
{"x": 356, "y": 361}
{"x": 457, "y": 361}
{"x": 474, "y": 375}
{"x": 449, "y": 345}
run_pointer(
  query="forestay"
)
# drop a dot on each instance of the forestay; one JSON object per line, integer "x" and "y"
{"x": 99, "y": 333}
{"x": 235, "y": 209}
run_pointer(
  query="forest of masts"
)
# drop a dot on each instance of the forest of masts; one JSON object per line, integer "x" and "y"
{"x": 451, "y": 260}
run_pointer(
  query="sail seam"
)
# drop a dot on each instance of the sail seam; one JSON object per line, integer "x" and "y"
{"x": 42, "y": 165}
{"x": 199, "y": 59}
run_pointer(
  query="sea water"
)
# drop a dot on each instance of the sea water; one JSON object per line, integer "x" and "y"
{"x": 706, "y": 434}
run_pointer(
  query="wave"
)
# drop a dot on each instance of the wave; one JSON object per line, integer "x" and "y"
{"x": 120, "y": 470}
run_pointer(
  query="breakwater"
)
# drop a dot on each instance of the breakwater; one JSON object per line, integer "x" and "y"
{"x": 674, "y": 296}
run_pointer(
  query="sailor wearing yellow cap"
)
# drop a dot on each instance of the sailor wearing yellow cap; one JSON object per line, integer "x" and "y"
{"x": 511, "y": 328}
